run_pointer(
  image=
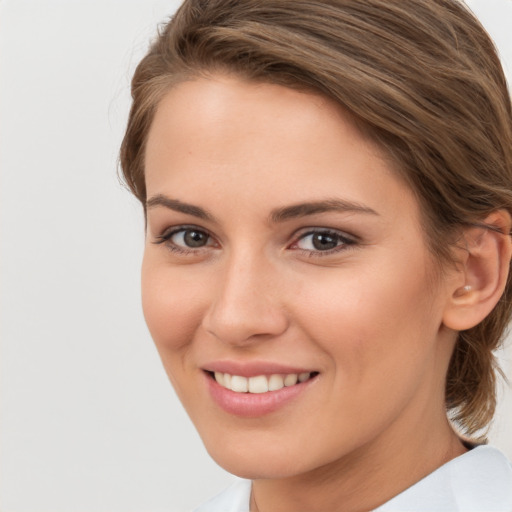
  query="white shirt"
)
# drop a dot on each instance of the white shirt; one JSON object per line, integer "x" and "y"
{"x": 480, "y": 480}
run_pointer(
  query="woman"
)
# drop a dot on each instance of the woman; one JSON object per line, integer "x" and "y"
{"x": 328, "y": 194}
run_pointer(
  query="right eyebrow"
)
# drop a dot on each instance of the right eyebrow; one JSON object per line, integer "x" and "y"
{"x": 179, "y": 206}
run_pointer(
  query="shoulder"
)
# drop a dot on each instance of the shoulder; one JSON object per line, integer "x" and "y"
{"x": 478, "y": 481}
{"x": 236, "y": 498}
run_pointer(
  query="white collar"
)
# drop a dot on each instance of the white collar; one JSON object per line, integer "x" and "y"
{"x": 480, "y": 480}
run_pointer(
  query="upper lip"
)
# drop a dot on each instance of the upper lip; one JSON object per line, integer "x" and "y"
{"x": 253, "y": 368}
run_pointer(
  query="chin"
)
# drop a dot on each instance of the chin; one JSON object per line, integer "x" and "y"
{"x": 255, "y": 466}
{"x": 266, "y": 458}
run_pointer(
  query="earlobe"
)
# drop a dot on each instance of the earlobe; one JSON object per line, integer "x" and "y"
{"x": 483, "y": 272}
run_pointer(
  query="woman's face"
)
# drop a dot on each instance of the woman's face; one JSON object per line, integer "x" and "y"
{"x": 281, "y": 247}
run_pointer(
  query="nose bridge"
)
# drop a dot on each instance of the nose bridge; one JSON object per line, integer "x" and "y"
{"x": 246, "y": 304}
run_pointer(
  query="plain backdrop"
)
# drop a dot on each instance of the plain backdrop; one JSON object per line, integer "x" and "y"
{"x": 89, "y": 422}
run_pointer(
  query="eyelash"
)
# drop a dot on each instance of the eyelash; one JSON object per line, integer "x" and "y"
{"x": 165, "y": 239}
{"x": 344, "y": 241}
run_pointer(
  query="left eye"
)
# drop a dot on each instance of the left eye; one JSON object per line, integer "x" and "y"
{"x": 322, "y": 241}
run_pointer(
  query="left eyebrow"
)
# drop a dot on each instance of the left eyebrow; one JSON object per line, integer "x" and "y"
{"x": 311, "y": 208}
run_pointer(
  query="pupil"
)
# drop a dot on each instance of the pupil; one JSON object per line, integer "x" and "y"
{"x": 195, "y": 238}
{"x": 323, "y": 242}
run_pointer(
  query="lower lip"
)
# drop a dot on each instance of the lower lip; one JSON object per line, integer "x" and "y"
{"x": 252, "y": 405}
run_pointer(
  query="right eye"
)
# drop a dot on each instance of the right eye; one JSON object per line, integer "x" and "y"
{"x": 185, "y": 239}
{"x": 190, "y": 238}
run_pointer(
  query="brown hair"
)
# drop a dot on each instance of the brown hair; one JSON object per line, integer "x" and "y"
{"x": 421, "y": 77}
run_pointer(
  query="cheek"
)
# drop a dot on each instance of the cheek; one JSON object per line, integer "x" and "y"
{"x": 173, "y": 312}
{"x": 171, "y": 304}
{"x": 370, "y": 320}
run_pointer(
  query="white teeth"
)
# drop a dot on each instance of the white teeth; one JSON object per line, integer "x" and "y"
{"x": 275, "y": 382}
{"x": 259, "y": 383}
{"x": 239, "y": 384}
{"x": 304, "y": 376}
{"x": 291, "y": 379}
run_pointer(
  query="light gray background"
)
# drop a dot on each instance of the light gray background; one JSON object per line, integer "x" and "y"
{"x": 88, "y": 420}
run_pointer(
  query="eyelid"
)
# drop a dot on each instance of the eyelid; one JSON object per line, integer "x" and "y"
{"x": 347, "y": 240}
{"x": 166, "y": 235}
{"x": 311, "y": 230}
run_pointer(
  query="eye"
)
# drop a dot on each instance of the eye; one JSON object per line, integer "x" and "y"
{"x": 185, "y": 239}
{"x": 323, "y": 241}
{"x": 189, "y": 237}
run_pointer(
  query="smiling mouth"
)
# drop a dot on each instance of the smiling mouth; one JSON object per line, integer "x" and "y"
{"x": 260, "y": 383}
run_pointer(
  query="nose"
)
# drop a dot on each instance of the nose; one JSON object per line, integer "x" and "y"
{"x": 246, "y": 306}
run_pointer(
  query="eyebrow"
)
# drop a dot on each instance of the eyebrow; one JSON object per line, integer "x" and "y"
{"x": 276, "y": 216}
{"x": 179, "y": 206}
{"x": 312, "y": 208}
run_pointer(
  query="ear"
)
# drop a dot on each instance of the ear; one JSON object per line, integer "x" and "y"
{"x": 482, "y": 272}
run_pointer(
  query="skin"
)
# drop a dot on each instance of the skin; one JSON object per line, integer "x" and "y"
{"x": 368, "y": 315}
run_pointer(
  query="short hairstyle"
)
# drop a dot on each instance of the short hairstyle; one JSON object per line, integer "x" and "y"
{"x": 421, "y": 77}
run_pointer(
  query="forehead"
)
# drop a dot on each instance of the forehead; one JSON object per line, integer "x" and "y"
{"x": 228, "y": 107}
{"x": 238, "y": 138}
